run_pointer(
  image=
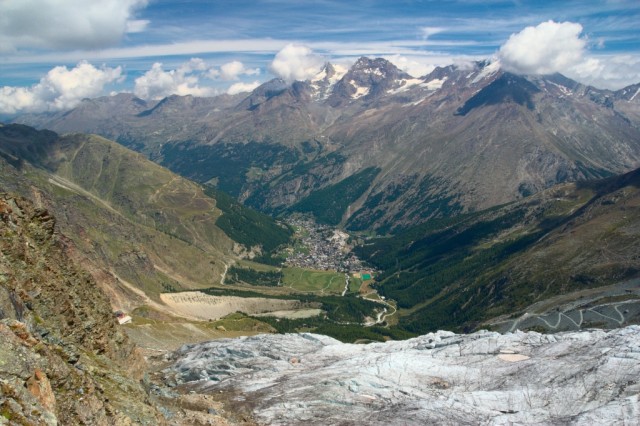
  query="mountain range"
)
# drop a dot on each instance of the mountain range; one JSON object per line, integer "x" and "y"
{"x": 508, "y": 202}
{"x": 459, "y": 139}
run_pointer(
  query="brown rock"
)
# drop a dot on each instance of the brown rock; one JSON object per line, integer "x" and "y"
{"x": 40, "y": 387}
{"x": 22, "y": 332}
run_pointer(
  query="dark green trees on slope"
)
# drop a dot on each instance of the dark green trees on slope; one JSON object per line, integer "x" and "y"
{"x": 247, "y": 226}
{"x": 457, "y": 273}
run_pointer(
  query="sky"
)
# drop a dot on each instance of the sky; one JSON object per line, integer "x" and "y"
{"x": 54, "y": 53}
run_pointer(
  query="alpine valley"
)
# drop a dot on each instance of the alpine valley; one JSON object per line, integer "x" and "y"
{"x": 372, "y": 213}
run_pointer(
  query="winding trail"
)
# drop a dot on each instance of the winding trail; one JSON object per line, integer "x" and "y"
{"x": 382, "y": 316}
{"x": 578, "y": 324}
{"x": 224, "y": 274}
{"x": 141, "y": 294}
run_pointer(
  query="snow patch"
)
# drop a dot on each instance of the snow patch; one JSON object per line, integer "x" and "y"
{"x": 320, "y": 76}
{"x": 634, "y": 95}
{"x": 434, "y": 84}
{"x": 418, "y": 102}
{"x": 374, "y": 71}
{"x": 404, "y": 85}
{"x": 322, "y": 84}
{"x": 487, "y": 71}
{"x": 563, "y": 89}
{"x": 340, "y": 71}
{"x": 360, "y": 91}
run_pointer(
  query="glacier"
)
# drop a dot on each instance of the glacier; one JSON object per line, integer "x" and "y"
{"x": 587, "y": 377}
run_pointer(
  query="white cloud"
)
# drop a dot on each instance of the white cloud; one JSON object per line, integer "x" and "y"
{"x": 429, "y": 31}
{"x": 607, "y": 72}
{"x": 242, "y": 87}
{"x": 233, "y": 70}
{"x": 66, "y": 24}
{"x": 557, "y": 47}
{"x": 137, "y": 25}
{"x": 545, "y": 49}
{"x": 193, "y": 65}
{"x": 296, "y": 62}
{"x": 414, "y": 66}
{"x": 184, "y": 80}
{"x": 60, "y": 89}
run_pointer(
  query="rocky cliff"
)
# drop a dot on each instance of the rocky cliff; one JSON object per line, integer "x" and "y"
{"x": 63, "y": 359}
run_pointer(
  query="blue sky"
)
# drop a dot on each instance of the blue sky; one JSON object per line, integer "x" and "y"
{"x": 112, "y": 45}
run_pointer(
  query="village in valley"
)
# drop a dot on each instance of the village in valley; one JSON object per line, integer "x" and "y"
{"x": 322, "y": 247}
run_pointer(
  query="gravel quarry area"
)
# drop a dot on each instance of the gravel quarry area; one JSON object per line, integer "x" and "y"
{"x": 200, "y": 306}
{"x": 292, "y": 314}
{"x": 585, "y": 378}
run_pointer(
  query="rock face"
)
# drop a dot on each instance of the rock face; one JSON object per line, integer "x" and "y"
{"x": 589, "y": 377}
{"x": 63, "y": 359}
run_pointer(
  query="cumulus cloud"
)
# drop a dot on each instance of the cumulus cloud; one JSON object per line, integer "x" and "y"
{"x": 296, "y": 62}
{"x": 187, "y": 79}
{"x": 416, "y": 67}
{"x": 232, "y": 70}
{"x": 60, "y": 89}
{"x": 558, "y": 47}
{"x": 66, "y": 24}
{"x": 184, "y": 80}
{"x": 544, "y": 49}
{"x": 611, "y": 72}
{"x": 242, "y": 87}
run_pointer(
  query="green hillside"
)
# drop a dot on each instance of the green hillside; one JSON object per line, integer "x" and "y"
{"x": 136, "y": 222}
{"x": 329, "y": 204}
{"x": 458, "y": 273}
{"x": 248, "y": 226}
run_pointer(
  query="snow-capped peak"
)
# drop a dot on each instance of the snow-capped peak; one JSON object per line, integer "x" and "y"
{"x": 323, "y": 82}
{"x": 487, "y": 71}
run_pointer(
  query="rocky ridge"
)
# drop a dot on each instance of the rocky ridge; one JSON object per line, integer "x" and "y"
{"x": 63, "y": 359}
{"x": 588, "y": 377}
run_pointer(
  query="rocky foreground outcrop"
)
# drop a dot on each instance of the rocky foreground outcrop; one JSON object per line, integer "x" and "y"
{"x": 590, "y": 377}
{"x": 63, "y": 359}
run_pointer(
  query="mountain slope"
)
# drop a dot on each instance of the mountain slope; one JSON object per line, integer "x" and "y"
{"x": 136, "y": 225}
{"x": 459, "y": 272}
{"x": 63, "y": 358}
{"x": 459, "y": 139}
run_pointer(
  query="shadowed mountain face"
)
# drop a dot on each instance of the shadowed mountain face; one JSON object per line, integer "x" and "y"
{"x": 456, "y": 140}
{"x": 507, "y": 88}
